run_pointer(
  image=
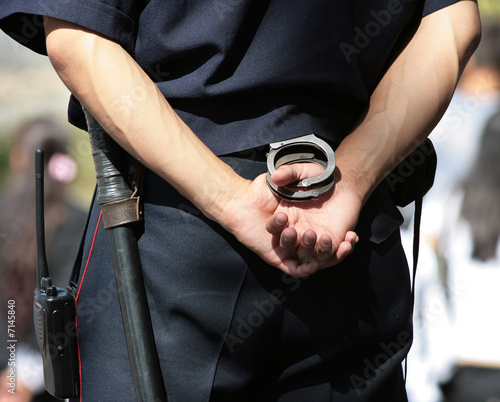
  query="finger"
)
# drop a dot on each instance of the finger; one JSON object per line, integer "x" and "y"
{"x": 307, "y": 245}
{"x": 307, "y": 267}
{"x": 277, "y": 223}
{"x": 286, "y": 174}
{"x": 288, "y": 239}
{"x": 347, "y": 246}
{"x": 325, "y": 248}
{"x": 352, "y": 237}
{"x": 329, "y": 257}
{"x": 344, "y": 250}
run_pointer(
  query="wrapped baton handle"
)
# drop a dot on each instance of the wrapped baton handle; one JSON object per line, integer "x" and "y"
{"x": 120, "y": 210}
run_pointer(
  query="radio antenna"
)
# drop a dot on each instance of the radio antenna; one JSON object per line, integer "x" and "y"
{"x": 42, "y": 266}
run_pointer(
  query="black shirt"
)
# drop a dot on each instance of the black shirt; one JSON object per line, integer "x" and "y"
{"x": 244, "y": 73}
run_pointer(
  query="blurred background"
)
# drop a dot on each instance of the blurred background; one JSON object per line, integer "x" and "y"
{"x": 456, "y": 352}
{"x": 29, "y": 88}
{"x": 33, "y": 104}
{"x": 455, "y": 355}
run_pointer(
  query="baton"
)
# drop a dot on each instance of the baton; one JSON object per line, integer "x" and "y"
{"x": 120, "y": 209}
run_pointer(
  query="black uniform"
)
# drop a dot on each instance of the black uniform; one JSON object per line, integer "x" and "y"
{"x": 242, "y": 74}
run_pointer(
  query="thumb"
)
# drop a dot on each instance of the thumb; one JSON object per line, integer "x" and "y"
{"x": 288, "y": 174}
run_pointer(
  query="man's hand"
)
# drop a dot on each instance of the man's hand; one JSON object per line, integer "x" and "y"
{"x": 297, "y": 237}
{"x": 405, "y": 106}
{"x": 320, "y": 232}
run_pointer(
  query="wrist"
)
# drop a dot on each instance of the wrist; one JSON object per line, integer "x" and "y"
{"x": 363, "y": 163}
{"x": 358, "y": 180}
{"x": 219, "y": 194}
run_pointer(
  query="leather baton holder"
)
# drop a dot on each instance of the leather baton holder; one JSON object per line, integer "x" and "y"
{"x": 121, "y": 212}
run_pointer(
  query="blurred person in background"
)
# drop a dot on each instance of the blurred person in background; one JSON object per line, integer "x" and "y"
{"x": 470, "y": 249}
{"x": 457, "y": 135}
{"x": 64, "y": 224}
{"x": 456, "y": 139}
{"x": 456, "y": 355}
{"x": 476, "y": 99}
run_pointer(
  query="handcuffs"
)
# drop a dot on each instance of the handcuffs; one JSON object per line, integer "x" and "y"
{"x": 306, "y": 149}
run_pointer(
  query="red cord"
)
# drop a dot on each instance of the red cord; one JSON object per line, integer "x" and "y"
{"x": 78, "y": 295}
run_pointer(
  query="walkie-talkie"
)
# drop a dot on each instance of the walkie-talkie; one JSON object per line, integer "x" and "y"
{"x": 53, "y": 312}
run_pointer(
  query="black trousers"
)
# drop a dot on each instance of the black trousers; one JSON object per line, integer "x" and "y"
{"x": 228, "y": 327}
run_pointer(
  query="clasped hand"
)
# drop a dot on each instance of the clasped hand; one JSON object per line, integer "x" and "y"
{"x": 299, "y": 238}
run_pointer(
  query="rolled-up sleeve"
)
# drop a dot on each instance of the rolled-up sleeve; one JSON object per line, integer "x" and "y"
{"x": 114, "y": 19}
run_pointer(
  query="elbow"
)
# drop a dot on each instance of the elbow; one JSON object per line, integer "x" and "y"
{"x": 59, "y": 57}
{"x": 57, "y": 43}
{"x": 471, "y": 35}
{"x": 65, "y": 43}
{"x": 474, "y": 37}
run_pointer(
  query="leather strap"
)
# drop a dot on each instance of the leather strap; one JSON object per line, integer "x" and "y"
{"x": 121, "y": 212}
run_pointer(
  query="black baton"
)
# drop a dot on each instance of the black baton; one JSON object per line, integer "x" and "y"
{"x": 120, "y": 207}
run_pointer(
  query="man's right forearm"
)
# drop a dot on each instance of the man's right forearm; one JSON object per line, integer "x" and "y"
{"x": 108, "y": 82}
{"x": 129, "y": 106}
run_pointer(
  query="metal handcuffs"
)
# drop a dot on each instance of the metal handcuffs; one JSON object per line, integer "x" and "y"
{"x": 306, "y": 149}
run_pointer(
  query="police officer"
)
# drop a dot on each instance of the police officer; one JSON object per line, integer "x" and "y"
{"x": 253, "y": 297}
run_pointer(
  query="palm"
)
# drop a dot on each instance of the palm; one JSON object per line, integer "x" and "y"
{"x": 333, "y": 215}
{"x": 256, "y": 206}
